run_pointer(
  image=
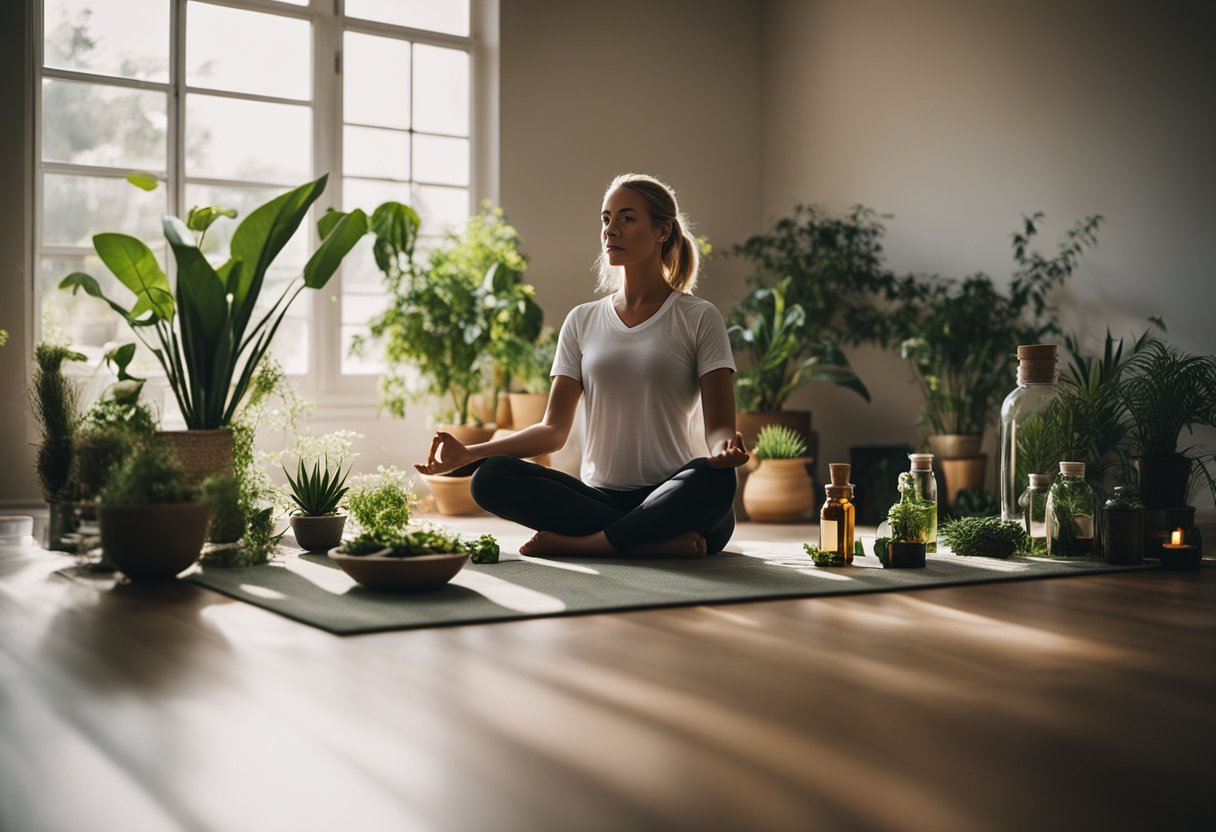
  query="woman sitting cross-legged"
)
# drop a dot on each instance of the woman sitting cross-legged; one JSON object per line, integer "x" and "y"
{"x": 643, "y": 356}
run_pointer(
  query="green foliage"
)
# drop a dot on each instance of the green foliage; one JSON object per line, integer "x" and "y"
{"x": 1124, "y": 498}
{"x": 783, "y": 353}
{"x": 121, "y": 408}
{"x": 974, "y": 502}
{"x": 1164, "y": 391}
{"x": 779, "y": 442}
{"x": 821, "y": 557}
{"x": 203, "y": 338}
{"x": 911, "y": 519}
{"x": 228, "y": 519}
{"x": 989, "y": 537}
{"x": 880, "y": 550}
{"x": 959, "y": 336}
{"x": 482, "y": 550}
{"x": 531, "y": 374}
{"x": 53, "y": 400}
{"x": 319, "y": 491}
{"x": 469, "y": 306}
{"x": 96, "y": 452}
{"x": 835, "y": 267}
{"x": 380, "y": 504}
{"x": 150, "y": 474}
{"x": 3, "y": 337}
{"x": 428, "y": 540}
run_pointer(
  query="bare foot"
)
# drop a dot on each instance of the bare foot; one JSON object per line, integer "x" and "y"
{"x": 552, "y": 543}
{"x": 687, "y": 545}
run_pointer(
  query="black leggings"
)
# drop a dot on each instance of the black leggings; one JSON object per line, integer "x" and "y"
{"x": 695, "y": 498}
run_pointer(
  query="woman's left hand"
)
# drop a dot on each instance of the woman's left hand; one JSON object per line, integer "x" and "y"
{"x": 729, "y": 454}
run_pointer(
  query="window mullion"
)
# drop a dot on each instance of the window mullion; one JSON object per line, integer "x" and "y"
{"x": 177, "y": 108}
{"x": 326, "y": 320}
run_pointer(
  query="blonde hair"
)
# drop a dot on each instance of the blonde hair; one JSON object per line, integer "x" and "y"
{"x": 680, "y": 255}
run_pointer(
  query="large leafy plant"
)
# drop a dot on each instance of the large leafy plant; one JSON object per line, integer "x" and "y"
{"x": 203, "y": 332}
{"x": 1166, "y": 390}
{"x": 959, "y": 336}
{"x": 782, "y": 352}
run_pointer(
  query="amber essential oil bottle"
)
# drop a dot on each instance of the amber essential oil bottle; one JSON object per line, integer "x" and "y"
{"x": 836, "y": 517}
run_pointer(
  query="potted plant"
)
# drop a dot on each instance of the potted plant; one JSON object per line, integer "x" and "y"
{"x": 530, "y": 381}
{"x": 1164, "y": 391}
{"x": 958, "y": 338}
{"x": 204, "y": 334}
{"x": 53, "y": 400}
{"x": 1123, "y": 527}
{"x": 910, "y": 521}
{"x": 780, "y": 489}
{"x": 317, "y": 494}
{"x": 782, "y": 355}
{"x": 152, "y": 523}
{"x": 441, "y": 318}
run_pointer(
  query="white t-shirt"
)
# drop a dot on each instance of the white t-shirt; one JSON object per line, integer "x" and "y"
{"x": 642, "y": 385}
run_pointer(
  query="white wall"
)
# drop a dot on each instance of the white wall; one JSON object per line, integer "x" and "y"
{"x": 960, "y": 116}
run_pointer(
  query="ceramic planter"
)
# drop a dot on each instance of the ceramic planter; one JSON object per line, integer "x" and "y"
{"x": 904, "y": 555}
{"x": 527, "y": 409}
{"x": 779, "y": 491}
{"x": 1162, "y": 480}
{"x": 468, "y": 434}
{"x": 201, "y": 453}
{"x": 960, "y": 473}
{"x": 318, "y": 534}
{"x": 955, "y": 445}
{"x": 452, "y": 494}
{"x": 154, "y": 541}
{"x": 409, "y": 574}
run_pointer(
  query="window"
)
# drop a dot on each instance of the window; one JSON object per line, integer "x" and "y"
{"x": 229, "y": 102}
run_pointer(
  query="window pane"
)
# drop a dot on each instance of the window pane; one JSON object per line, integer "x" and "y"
{"x": 441, "y": 90}
{"x": 449, "y": 16}
{"x": 74, "y": 208}
{"x": 376, "y": 81}
{"x": 128, "y": 38}
{"x": 369, "y": 193}
{"x": 243, "y": 201}
{"x": 372, "y": 361}
{"x": 359, "y": 271}
{"x": 441, "y": 160}
{"x": 244, "y": 51}
{"x": 229, "y": 138}
{"x": 440, "y": 208}
{"x": 83, "y": 320}
{"x": 370, "y": 151}
{"x": 95, "y": 124}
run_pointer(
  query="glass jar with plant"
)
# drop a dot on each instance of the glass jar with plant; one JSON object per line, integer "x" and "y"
{"x": 53, "y": 400}
{"x": 317, "y": 493}
{"x": 203, "y": 332}
{"x": 152, "y": 523}
{"x": 780, "y": 489}
{"x": 1070, "y": 513}
{"x": 1123, "y": 526}
{"x": 1166, "y": 390}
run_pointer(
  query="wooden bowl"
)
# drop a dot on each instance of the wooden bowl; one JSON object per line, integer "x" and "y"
{"x": 410, "y": 574}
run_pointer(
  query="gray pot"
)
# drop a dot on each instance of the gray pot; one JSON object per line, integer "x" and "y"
{"x": 318, "y": 534}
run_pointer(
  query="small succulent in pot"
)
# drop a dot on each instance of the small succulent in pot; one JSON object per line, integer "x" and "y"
{"x": 317, "y": 493}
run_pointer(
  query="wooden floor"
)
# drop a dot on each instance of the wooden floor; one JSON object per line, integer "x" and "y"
{"x": 1076, "y": 703}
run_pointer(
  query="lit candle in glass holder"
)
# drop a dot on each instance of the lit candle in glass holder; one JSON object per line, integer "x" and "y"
{"x": 1178, "y": 554}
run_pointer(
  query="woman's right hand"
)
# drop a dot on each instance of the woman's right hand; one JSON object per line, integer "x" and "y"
{"x": 446, "y": 454}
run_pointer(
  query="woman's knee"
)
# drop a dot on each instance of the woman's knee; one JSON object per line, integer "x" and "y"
{"x": 720, "y": 483}
{"x": 489, "y": 480}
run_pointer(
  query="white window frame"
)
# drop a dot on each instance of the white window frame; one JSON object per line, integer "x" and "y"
{"x": 337, "y": 396}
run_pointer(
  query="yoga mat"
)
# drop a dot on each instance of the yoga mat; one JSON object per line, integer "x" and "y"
{"x": 312, "y": 590}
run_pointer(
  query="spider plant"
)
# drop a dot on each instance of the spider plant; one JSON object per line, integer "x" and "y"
{"x": 317, "y": 492}
{"x": 1164, "y": 391}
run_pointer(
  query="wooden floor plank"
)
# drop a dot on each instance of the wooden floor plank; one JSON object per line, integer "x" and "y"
{"x": 1053, "y": 704}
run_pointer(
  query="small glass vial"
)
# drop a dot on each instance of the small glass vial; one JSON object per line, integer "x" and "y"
{"x": 924, "y": 488}
{"x": 1034, "y": 511}
{"x": 1021, "y": 428}
{"x": 836, "y": 516}
{"x": 1070, "y": 514}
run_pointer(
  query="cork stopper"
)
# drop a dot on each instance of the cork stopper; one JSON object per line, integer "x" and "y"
{"x": 1037, "y": 364}
{"x": 840, "y": 485}
{"x": 921, "y": 462}
{"x": 1040, "y": 480}
{"x": 1072, "y": 469}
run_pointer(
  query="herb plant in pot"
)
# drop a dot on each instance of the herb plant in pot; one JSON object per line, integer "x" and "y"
{"x": 53, "y": 401}
{"x": 780, "y": 490}
{"x": 910, "y": 521}
{"x": 152, "y": 523}
{"x": 203, "y": 332}
{"x": 1165, "y": 390}
{"x": 317, "y": 493}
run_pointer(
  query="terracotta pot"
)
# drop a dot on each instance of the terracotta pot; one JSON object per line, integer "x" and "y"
{"x": 1123, "y": 535}
{"x": 469, "y": 434}
{"x": 955, "y": 445}
{"x": 318, "y": 534}
{"x": 452, "y": 495}
{"x": 154, "y": 541}
{"x": 201, "y": 453}
{"x": 1162, "y": 480}
{"x": 903, "y": 555}
{"x": 779, "y": 491}
{"x": 544, "y": 459}
{"x": 527, "y": 409}
{"x": 962, "y": 472}
{"x": 411, "y": 574}
{"x": 481, "y": 406}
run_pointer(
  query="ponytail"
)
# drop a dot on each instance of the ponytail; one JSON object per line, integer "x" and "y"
{"x": 680, "y": 254}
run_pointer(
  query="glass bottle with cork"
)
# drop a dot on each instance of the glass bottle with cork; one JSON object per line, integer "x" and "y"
{"x": 1034, "y": 511}
{"x": 924, "y": 489}
{"x": 1022, "y": 431}
{"x": 836, "y": 516}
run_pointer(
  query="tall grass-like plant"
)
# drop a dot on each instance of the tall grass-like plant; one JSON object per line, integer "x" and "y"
{"x": 53, "y": 400}
{"x": 1166, "y": 390}
{"x": 779, "y": 442}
